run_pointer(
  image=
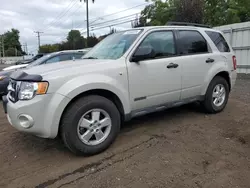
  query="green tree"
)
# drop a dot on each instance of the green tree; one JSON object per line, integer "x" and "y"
{"x": 74, "y": 38}
{"x": 189, "y": 11}
{"x": 92, "y": 41}
{"x": 11, "y": 41}
{"x": 211, "y": 12}
{"x": 11, "y": 52}
{"x": 49, "y": 48}
{"x": 74, "y": 41}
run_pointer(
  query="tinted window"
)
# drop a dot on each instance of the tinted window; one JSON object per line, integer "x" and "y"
{"x": 79, "y": 55}
{"x": 66, "y": 57}
{"x": 161, "y": 42}
{"x": 192, "y": 42}
{"x": 219, "y": 41}
{"x": 53, "y": 60}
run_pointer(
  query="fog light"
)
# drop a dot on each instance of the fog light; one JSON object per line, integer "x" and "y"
{"x": 25, "y": 121}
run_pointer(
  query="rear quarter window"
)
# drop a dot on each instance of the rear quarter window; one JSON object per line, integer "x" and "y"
{"x": 219, "y": 41}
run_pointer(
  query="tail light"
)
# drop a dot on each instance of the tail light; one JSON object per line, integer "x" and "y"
{"x": 234, "y": 62}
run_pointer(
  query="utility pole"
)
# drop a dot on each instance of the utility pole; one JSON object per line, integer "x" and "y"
{"x": 38, "y": 37}
{"x": 87, "y": 12}
{"x": 0, "y": 47}
{"x": 2, "y": 42}
{"x": 25, "y": 48}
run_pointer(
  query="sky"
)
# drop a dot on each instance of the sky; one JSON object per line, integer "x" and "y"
{"x": 55, "y": 18}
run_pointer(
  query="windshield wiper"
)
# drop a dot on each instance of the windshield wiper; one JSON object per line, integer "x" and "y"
{"x": 90, "y": 58}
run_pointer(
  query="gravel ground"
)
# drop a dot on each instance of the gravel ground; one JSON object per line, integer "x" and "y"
{"x": 177, "y": 148}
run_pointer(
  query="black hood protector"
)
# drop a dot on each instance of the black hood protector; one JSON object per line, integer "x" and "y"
{"x": 23, "y": 76}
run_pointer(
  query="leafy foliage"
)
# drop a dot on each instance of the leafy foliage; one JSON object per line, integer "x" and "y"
{"x": 11, "y": 43}
{"x": 74, "y": 41}
{"x": 212, "y": 12}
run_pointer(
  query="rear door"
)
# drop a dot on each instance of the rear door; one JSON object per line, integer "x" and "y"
{"x": 196, "y": 60}
{"x": 224, "y": 49}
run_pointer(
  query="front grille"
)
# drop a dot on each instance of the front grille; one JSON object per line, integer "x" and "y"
{"x": 13, "y": 90}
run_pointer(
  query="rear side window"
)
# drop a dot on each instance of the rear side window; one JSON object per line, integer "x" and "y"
{"x": 219, "y": 41}
{"x": 66, "y": 57}
{"x": 78, "y": 55}
{"x": 191, "y": 42}
{"x": 53, "y": 60}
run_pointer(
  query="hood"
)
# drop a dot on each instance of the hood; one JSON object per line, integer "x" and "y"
{"x": 15, "y": 67}
{"x": 52, "y": 68}
{"x": 6, "y": 73}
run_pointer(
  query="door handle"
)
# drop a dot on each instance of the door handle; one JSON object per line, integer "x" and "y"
{"x": 172, "y": 65}
{"x": 209, "y": 60}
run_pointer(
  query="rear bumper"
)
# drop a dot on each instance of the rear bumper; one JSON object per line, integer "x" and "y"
{"x": 233, "y": 78}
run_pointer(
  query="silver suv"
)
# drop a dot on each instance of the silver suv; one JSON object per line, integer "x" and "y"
{"x": 128, "y": 74}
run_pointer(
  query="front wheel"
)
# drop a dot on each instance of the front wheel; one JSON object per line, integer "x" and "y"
{"x": 217, "y": 95}
{"x": 90, "y": 125}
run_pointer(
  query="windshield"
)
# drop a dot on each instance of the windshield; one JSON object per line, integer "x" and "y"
{"x": 114, "y": 46}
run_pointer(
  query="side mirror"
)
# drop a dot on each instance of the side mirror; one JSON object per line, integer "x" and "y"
{"x": 142, "y": 53}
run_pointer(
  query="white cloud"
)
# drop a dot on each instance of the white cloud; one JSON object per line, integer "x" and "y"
{"x": 33, "y": 15}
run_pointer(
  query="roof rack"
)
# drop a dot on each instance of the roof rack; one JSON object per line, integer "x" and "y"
{"x": 188, "y": 24}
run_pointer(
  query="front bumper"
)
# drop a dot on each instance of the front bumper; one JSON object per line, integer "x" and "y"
{"x": 43, "y": 120}
{"x": 3, "y": 86}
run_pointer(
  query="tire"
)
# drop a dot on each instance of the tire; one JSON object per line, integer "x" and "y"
{"x": 74, "y": 113}
{"x": 208, "y": 103}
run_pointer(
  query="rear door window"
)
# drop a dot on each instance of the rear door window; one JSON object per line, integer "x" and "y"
{"x": 78, "y": 55}
{"x": 191, "y": 42}
{"x": 66, "y": 57}
{"x": 53, "y": 60}
{"x": 219, "y": 41}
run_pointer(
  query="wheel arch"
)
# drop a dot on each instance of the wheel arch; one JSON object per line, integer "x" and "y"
{"x": 100, "y": 92}
{"x": 222, "y": 73}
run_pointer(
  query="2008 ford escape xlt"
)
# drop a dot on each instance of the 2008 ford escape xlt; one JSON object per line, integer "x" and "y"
{"x": 129, "y": 73}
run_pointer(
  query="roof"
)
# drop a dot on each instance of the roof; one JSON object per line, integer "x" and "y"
{"x": 68, "y": 51}
{"x": 179, "y": 25}
{"x": 172, "y": 27}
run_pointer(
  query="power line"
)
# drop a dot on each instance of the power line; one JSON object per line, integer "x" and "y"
{"x": 97, "y": 18}
{"x": 57, "y": 20}
{"x": 115, "y": 19}
{"x": 123, "y": 10}
{"x": 58, "y": 14}
{"x": 121, "y": 19}
{"x": 107, "y": 15}
{"x": 119, "y": 23}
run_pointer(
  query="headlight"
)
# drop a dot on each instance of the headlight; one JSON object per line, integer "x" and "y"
{"x": 29, "y": 90}
{"x": 2, "y": 77}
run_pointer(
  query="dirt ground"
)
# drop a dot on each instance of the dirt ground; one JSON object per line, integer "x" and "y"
{"x": 177, "y": 148}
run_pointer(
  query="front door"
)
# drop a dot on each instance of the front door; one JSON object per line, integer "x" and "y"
{"x": 157, "y": 80}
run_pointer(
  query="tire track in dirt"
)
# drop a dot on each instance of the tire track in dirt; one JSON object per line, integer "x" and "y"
{"x": 104, "y": 163}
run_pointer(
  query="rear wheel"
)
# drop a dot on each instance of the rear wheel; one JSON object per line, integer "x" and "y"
{"x": 90, "y": 125}
{"x": 217, "y": 95}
